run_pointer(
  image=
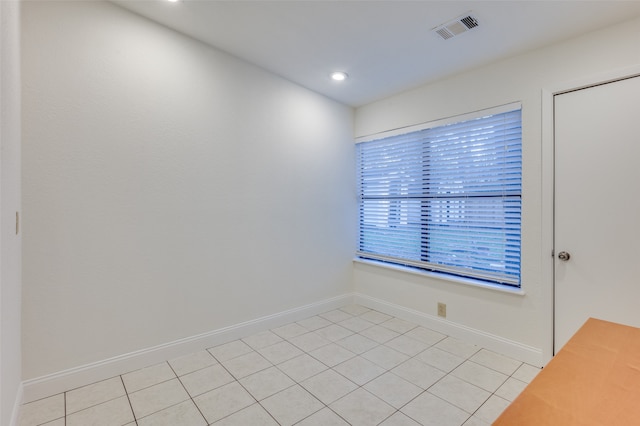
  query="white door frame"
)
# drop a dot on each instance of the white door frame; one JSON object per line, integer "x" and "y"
{"x": 548, "y": 185}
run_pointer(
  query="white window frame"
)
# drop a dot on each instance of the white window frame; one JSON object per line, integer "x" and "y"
{"x": 417, "y": 256}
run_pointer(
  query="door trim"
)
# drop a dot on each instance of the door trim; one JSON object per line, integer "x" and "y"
{"x": 548, "y": 187}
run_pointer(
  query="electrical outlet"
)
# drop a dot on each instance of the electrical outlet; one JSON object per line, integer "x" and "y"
{"x": 442, "y": 310}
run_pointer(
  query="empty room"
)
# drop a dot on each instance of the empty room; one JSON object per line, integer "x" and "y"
{"x": 319, "y": 213}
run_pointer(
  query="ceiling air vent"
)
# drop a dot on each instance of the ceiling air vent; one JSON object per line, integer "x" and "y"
{"x": 456, "y": 27}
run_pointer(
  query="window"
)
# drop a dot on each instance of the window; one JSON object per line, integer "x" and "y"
{"x": 445, "y": 198}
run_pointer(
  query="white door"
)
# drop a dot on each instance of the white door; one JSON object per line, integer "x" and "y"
{"x": 597, "y": 206}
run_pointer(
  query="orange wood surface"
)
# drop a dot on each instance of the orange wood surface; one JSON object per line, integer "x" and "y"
{"x": 593, "y": 380}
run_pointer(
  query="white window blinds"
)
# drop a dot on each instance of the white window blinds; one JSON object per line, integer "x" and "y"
{"x": 445, "y": 198}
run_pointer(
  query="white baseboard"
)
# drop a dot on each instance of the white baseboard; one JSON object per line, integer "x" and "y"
{"x": 15, "y": 415}
{"x": 489, "y": 341}
{"x": 62, "y": 381}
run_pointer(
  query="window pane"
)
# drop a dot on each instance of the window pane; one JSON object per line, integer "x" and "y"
{"x": 477, "y": 233}
{"x": 446, "y": 198}
{"x": 391, "y": 228}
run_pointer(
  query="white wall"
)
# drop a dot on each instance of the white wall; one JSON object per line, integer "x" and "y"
{"x": 10, "y": 242}
{"x": 520, "y": 320}
{"x": 169, "y": 188}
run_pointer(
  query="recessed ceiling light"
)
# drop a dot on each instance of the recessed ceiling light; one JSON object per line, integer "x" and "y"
{"x": 339, "y": 76}
{"x": 173, "y": 1}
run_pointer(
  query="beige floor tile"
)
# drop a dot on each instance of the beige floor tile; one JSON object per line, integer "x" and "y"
{"x": 184, "y": 414}
{"x": 426, "y": 336}
{"x": 526, "y": 373}
{"x": 457, "y": 347}
{"x": 291, "y": 405}
{"x": 492, "y": 409}
{"x": 361, "y": 408}
{"x": 480, "y": 375}
{"x": 207, "y": 379}
{"x": 429, "y": 410}
{"x": 158, "y": 397}
{"x": 392, "y": 389}
{"x": 442, "y": 360}
{"x": 262, "y": 340}
{"x": 357, "y": 343}
{"x": 224, "y": 401}
{"x": 254, "y": 415}
{"x": 407, "y": 345}
{"x": 245, "y": 365}
{"x": 475, "y": 421}
{"x": 511, "y": 389}
{"x": 41, "y": 411}
{"x": 145, "y": 377}
{"x": 398, "y": 325}
{"x": 399, "y": 419}
{"x": 334, "y": 332}
{"x": 379, "y": 334}
{"x": 230, "y": 350}
{"x": 336, "y": 315}
{"x": 290, "y": 330}
{"x": 418, "y": 373}
{"x": 329, "y": 386}
{"x": 266, "y": 383}
{"x": 355, "y": 324}
{"x": 501, "y": 363}
{"x": 314, "y": 323}
{"x": 332, "y": 354}
{"x": 385, "y": 357}
{"x": 359, "y": 370}
{"x": 280, "y": 352}
{"x": 309, "y": 341}
{"x": 460, "y": 393}
{"x": 375, "y": 317}
{"x": 324, "y": 417}
{"x": 114, "y": 412}
{"x": 192, "y": 362}
{"x": 94, "y": 394}
{"x": 355, "y": 309}
{"x": 302, "y": 367}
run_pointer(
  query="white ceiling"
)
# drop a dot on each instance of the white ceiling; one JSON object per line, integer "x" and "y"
{"x": 385, "y": 46}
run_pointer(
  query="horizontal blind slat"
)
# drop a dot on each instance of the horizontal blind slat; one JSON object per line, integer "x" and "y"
{"x": 445, "y": 198}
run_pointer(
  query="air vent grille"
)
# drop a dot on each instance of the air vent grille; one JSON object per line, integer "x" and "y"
{"x": 456, "y": 27}
{"x": 444, "y": 33}
{"x": 469, "y": 22}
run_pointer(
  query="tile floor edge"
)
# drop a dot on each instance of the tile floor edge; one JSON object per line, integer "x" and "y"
{"x": 62, "y": 381}
{"x": 504, "y": 346}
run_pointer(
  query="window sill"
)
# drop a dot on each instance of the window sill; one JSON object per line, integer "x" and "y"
{"x": 444, "y": 277}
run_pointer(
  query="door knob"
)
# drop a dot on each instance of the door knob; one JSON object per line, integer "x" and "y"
{"x": 564, "y": 256}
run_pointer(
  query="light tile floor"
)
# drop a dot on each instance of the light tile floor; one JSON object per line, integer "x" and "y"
{"x": 350, "y": 366}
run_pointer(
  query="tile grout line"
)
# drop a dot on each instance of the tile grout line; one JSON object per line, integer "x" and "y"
{"x": 400, "y": 329}
{"x": 299, "y": 383}
{"x": 360, "y": 387}
{"x": 133, "y": 413}
{"x": 395, "y": 410}
{"x": 468, "y": 358}
{"x": 237, "y": 380}
{"x": 150, "y": 386}
{"x": 188, "y": 394}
